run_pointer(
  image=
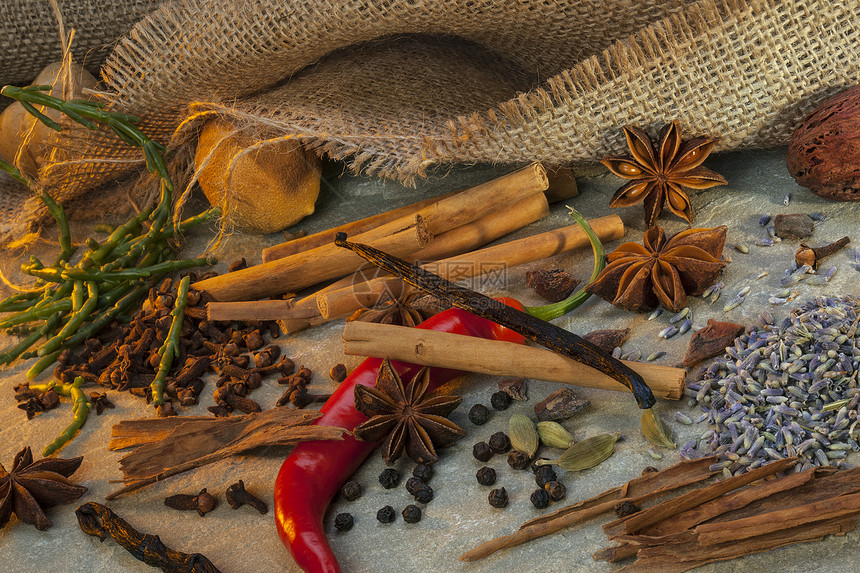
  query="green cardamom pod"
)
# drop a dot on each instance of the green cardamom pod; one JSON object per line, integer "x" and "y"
{"x": 524, "y": 436}
{"x": 656, "y": 431}
{"x": 554, "y": 435}
{"x": 588, "y": 453}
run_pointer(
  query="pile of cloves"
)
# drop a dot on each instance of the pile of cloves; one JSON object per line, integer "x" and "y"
{"x": 125, "y": 356}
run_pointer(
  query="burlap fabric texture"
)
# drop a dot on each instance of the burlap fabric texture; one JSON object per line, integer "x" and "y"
{"x": 394, "y": 87}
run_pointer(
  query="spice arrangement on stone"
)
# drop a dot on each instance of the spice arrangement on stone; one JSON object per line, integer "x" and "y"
{"x": 783, "y": 389}
{"x": 406, "y": 419}
{"x": 660, "y": 171}
{"x": 29, "y": 488}
{"x": 660, "y": 270}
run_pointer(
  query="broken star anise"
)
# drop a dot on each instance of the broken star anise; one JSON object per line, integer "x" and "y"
{"x": 661, "y": 271}
{"x": 659, "y": 172}
{"x": 407, "y": 310}
{"x": 410, "y": 420}
{"x": 33, "y": 486}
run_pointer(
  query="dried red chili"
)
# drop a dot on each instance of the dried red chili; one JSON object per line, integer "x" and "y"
{"x": 314, "y": 472}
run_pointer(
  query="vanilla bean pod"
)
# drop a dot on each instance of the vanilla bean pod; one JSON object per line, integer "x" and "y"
{"x": 99, "y": 521}
{"x": 533, "y": 328}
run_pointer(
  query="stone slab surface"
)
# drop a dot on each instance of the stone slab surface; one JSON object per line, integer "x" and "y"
{"x": 459, "y": 517}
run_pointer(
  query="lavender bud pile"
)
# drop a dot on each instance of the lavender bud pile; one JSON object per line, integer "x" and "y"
{"x": 784, "y": 389}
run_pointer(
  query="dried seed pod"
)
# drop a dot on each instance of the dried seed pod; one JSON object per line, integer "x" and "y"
{"x": 523, "y": 434}
{"x": 554, "y": 435}
{"x": 588, "y": 453}
{"x": 656, "y": 431}
{"x": 824, "y": 152}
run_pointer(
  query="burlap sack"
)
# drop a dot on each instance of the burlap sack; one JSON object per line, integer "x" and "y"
{"x": 30, "y": 40}
{"x": 395, "y": 87}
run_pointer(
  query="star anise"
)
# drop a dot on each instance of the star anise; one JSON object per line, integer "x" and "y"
{"x": 658, "y": 173}
{"x": 407, "y": 310}
{"x": 661, "y": 271}
{"x": 33, "y": 486}
{"x": 408, "y": 419}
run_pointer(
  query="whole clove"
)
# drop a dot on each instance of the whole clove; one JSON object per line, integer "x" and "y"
{"x": 203, "y": 502}
{"x": 237, "y": 496}
{"x": 228, "y": 396}
{"x": 100, "y": 402}
{"x": 338, "y": 373}
{"x": 267, "y": 356}
{"x": 300, "y": 397}
{"x": 237, "y": 265}
{"x": 99, "y": 521}
{"x": 811, "y": 256}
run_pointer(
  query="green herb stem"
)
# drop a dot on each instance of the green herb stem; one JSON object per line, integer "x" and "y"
{"x": 170, "y": 349}
{"x": 80, "y": 409}
{"x": 555, "y": 310}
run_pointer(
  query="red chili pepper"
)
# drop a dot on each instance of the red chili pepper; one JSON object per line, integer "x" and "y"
{"x": 314, "y": 472}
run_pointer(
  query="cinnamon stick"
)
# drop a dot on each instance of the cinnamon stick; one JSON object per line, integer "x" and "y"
{"x": 562, "y": 184}
{"x": 304, "y": 269}
{"x": 258, "y": 310}
{"x": 472, "y": 354}
{"x": 647, "y": 517}
{"x": 326, "y": 237}
{"x": 493, "y": 259}
{"x": 199, "y": 441}
{"x": 640, "y": 488}
{"x": 686, "y": 554}
{"x": 440, "y": 214}
{"x": 486, "y": 229}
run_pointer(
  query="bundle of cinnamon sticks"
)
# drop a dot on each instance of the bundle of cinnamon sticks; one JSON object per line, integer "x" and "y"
{"x": 448, "y": 230}
{"x": 749, "y": 513}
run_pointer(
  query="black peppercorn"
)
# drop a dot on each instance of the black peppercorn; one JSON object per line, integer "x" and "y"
{"x": 500, "y": 442}
{"x": 389, "y": 478}
{"x": 482, "y": 451}
{"x": 343, "y": 521}
{"x": 626, "y": 508}
{"x": 424, "y": 493}
{"x": 486, "y": 476}
{"x": 544, "y": 475}
{"x": 479, "y": 414}
{"x": 534, "y": 465}
{"x": 412, "y": 485}
{"x": 411, "y": 514}
{"x": 555, "y": 489}
{"x": 351, "y": 490}
{"x": 498, "y": 497}
{"x": 500, "y": 400}
{"x": 518, "y": 460}
{"x": 540, "y": 498}
{"x": 423, "y": 472}
{"x": 386, "y": 514}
